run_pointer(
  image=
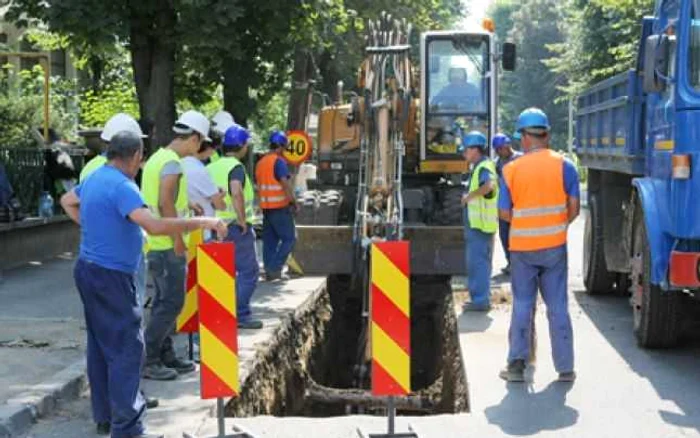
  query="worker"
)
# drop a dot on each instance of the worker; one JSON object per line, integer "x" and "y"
{"x": 540, "y": 199}
{"x": 111, "y": 213}
{"x": 164, "y": 188}
{"x": 481, "y": 220}
{"x": 502, "y": 145}
{"x": 201, "y": 190}
{"x": 278, "y": 204}
{"x": 119, "y": 122}
{"x": 459, "y": 93}
{"x": 219, "y": 125}
{"x": 229, "y": 172}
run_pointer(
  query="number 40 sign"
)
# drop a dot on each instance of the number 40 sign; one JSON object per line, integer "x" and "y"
{"x": 299, "y": 148}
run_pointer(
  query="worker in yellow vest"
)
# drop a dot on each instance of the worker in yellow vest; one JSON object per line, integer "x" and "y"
{"x": 229, "y": 173}
{"x": 164, "y": 188}
{"x": 481, "y": 220}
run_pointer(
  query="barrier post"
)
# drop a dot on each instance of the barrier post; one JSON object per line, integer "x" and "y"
{"x": 390, "y": 310}
{"x": 218, "y": 327}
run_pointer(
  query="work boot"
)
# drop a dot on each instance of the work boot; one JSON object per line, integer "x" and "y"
{"x": 158, "y": 371}
{"x": 104, "y": 428}
{"x": 567, "y": 377}
{"x": 181, "y": 366}
{"x": 275, "y": 276}
{"x": 472, "y": 307}
{"x": 251, "y": 324}
{"x": 514, "y": 372}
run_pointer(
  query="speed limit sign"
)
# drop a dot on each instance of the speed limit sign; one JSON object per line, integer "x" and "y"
{"x": 299, "y": 147}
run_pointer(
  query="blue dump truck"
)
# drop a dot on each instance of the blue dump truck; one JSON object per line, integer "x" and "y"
{"x": 638, "y": 133}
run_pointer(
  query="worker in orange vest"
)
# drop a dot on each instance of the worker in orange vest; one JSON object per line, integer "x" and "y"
{"x": 541, "y": 197}
{"x": 278, "y": 203}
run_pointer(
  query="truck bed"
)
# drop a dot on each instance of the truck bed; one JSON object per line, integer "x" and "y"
{"x": 608, "y": 125}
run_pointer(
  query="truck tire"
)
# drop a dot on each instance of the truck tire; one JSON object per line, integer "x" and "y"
{"x": 656, "y": 312}
{"x": 596, "y": 277}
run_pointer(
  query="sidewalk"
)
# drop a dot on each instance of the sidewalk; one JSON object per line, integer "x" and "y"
{"x": 181, "y": 409}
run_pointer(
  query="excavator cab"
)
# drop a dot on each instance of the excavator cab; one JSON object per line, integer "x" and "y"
{"x": 458, "y": 90}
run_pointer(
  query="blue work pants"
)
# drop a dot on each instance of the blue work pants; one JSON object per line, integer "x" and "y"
{"x": 168, "y": 273}
{"x": 504, "y": 234}
{"x": 548, "y": 269}
{"x": 247, "y": 269}
{"x": 115, "y": 347}
{"x": 479, "y": 258}
{"x": 279, "y": 236}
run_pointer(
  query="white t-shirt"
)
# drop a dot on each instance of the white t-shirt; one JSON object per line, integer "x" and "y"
{"x": 200, "y": 185}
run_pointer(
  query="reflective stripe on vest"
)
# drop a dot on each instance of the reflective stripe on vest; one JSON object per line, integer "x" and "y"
{"x": 219, "y": 172}
{"x": 483, "y": 212}
{"x": 540, "y": 216}
{"x": 271, "y": 191}
{"x": 92, "y": 166}
{"x": 150, "y": 188}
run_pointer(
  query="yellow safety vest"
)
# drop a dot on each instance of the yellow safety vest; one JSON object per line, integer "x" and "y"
{"x": 92, "y": 166}
{"x": 483, "y": 213}
{"x": 219, "y": 172}
{"x": 150, "y": 188}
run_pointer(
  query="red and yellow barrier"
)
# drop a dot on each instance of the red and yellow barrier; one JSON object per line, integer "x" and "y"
{"x": 218, "y": 326}
{"x": 391, "y": 318}
{"x": 187, "y": 321}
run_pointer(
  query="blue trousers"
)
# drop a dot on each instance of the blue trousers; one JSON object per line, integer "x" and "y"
{"x": 168, "y": 272}
{"x": 479, "y": 257}
{"x": 247, "y": 269}
{"x": 504, "y": 234}
{"x": 279, "y": 236}
{"x": 548, "y": 269}
{"x": 115, "y": 347}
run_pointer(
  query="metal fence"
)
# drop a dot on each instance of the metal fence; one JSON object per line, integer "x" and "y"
{"x": 26, "y": 170}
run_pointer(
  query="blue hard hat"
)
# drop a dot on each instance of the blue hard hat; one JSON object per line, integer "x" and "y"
{"x": 235, "y": 137}
{"x": 517, "y": 136}
{"x": 500, "y": 140}
{"x": 474, "y": 139}
{"x": 532, "y": 118}
{"x": 279, "y": 139}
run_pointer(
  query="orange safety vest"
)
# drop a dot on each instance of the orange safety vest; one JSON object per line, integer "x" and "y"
{"x": 540, "y": 216}
{"x": 272, "y": 194}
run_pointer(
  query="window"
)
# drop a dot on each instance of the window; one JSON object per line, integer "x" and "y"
{"x": 695, "y": 46}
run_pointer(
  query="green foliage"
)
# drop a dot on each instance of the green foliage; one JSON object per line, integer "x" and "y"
{"x": 601, "y": 40}
{"x": 96, "y": 107}
{"x": 22, "y": 107}
{"x": 533, "y": 26}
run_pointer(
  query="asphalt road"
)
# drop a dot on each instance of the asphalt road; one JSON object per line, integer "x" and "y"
{"x": 622, "y": 391}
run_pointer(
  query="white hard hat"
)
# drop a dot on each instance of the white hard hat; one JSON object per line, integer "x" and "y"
{"x": 222, "y": 121}
{"x": 118, "y": 123}
{"x": 193, "y": 121}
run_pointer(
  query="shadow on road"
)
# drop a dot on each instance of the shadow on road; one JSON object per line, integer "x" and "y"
{"x": 612, "y": 316}
{"x": 524, "y": 413}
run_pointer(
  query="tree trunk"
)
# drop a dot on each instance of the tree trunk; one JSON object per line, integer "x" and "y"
{"x": 302, "y": 87}
{"x": 237, "y": 99}
{"x": 153, "y": 60}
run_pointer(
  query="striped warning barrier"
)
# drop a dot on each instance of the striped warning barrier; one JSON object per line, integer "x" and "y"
{"x": 218, "y": 328}
{"x": 187, "y": 319}
{"x": 391, "y": 318}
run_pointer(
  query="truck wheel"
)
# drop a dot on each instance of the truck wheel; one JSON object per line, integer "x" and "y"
{"x": 656, "y": 312}
{"x": 596, "y": 277}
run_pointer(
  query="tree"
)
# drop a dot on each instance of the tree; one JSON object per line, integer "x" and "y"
{"x": 601, "y": 40}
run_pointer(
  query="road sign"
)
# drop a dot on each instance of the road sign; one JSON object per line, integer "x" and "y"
{"x": 391, "y": 319}
{"x": 187, "y": 320}
{"x": 218, "y": 324}
{"x": 299, "y": 147}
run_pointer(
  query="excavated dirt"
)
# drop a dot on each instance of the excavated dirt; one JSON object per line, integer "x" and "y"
{"x": 318, "y": 346}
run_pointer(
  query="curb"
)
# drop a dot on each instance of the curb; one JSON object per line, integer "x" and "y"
{"x": 19, "y": 413}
